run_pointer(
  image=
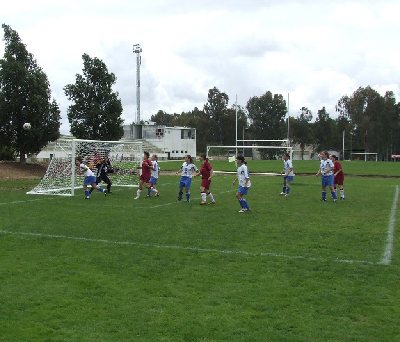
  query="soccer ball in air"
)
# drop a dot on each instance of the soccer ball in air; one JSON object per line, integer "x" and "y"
{"x": 26, "y": 126}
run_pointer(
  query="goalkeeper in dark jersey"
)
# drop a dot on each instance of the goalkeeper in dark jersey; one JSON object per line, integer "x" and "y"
{"x": 103, "y": 166}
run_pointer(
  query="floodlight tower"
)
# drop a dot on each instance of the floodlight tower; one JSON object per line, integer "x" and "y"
{"x": 137, "y": 50}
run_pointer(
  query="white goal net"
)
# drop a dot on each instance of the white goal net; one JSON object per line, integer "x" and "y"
{"x": 63, "y": 177}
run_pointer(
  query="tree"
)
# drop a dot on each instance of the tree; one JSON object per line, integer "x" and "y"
{"x": 96, "y": 109}
{"x": 25, "y": 96}
{"x": 163, "y": 118}
{"x": 325, "y": 131}
{"x": 302, "y": 132}
{"x": 216, "y": 109}
{"x": 267, "y": 117}
{"x": 373, "y": 119}
{"x": 391, "y": 125}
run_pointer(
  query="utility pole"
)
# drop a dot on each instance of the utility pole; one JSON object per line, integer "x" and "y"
{"x": 137, "y": 50}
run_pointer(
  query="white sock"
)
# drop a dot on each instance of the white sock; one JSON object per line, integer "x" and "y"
{"x": 211, "y": 197}
{"x": 203, "y": 197}
{"x": 138, "y": 193}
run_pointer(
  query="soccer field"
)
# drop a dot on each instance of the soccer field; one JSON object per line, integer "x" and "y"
{"x": 116, "y": 269}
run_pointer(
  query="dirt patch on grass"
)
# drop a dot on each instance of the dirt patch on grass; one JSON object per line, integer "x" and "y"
{"x": 16, "y": 170}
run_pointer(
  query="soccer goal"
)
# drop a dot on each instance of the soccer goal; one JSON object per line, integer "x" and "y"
{"x": 253, "y": 149}
{"x": 63, "y": 177}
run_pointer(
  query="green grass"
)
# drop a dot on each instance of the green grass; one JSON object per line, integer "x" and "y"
{"x": 115, "y": 269}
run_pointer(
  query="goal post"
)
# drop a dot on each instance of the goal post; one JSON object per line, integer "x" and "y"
{"x": 62, "y": 176}
{"x": 264, "y": 152}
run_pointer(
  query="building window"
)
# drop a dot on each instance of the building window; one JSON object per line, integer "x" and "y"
{"x": 159, "y": 132}
{"x": 188, "y": 133}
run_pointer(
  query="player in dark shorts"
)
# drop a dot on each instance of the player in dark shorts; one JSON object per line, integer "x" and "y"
{"x": 103, "y": 166}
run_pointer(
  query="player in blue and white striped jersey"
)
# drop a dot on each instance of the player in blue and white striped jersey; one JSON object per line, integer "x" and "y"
{"x": 90, "y": 178}
{"x": 288, "y": 174}
{"x": 244, "y": 183}
{"x": 155, "y": 172}
{"x": 187, "y": 171}
{"x": 326, "y": 171}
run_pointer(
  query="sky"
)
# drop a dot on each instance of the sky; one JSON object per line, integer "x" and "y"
{"x": 312, "y": 52}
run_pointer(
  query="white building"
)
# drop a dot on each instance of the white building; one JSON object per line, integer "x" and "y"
{"x": 167, "y": 142}
{"x": 171, "y": 142}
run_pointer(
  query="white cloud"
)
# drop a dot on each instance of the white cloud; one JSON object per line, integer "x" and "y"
{"x": 314, "y": 51}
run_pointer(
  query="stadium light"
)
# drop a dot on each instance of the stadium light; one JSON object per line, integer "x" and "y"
{"x": 137, "y": 50}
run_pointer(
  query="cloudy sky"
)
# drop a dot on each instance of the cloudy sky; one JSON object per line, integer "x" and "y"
{"x": 316, "y": 51}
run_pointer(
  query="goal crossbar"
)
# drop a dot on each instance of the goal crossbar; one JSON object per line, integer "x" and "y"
{"x": 249, "y": 146}
{"x": 249, "y": 140}
{"x": 287, "y": 149}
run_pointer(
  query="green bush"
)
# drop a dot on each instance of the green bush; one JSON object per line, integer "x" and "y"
{"x": 7, "y": 153}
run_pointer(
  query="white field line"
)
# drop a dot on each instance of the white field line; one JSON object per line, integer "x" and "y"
{"x": 386, "y": 258}
{"x": 21, "y": 202}
{"x": 107, "y": 205}
{"x": 185, "y": 248}
{"x": 161, "y": 205}
{"x": 387, "y": 254}
{"x": 251, "y": 173}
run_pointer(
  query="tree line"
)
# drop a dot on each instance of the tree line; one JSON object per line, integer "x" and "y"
{"x": 367, "y": 121}
{"x": 25, "y": 97}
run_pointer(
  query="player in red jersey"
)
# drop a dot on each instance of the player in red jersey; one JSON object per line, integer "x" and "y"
{"x": 206, "y": 172}
{"x": 145, "y": 175}
{"x": 338, "y": 176}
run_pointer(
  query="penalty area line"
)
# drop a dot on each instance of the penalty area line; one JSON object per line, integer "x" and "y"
{"x": 185, "y": 248}
{"x": 387, "y": 254}
{"x": 22, "y": 202}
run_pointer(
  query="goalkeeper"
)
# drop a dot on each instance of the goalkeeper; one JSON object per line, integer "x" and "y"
{"x": 103, "y": 166}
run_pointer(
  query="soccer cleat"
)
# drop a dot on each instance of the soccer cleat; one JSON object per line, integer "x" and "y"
{"x": 286, "y": 195}
{"x": 137, "y": 197}
{"x": 203, "y": 202}
{"x": 282, "y": 193}
{"x": 323, "y": 200}
{"x": 212, "y": 202}
{"x": 87, "y": 197}
{"x": 243, "y": 210}
{"x": 157, "y": 194}
{"x": 334, "y": 200}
